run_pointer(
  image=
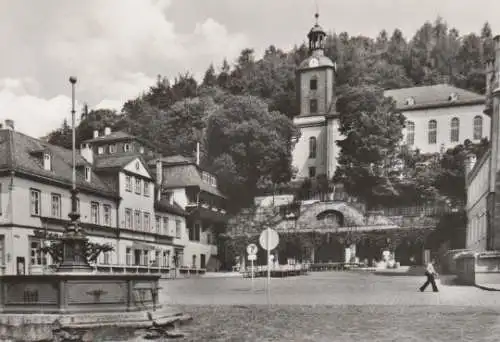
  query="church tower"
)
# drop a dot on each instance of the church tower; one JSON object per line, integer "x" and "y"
{"x": 316, "y": 152}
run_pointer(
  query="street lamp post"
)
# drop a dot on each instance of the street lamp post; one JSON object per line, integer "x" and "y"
{"x": 73, "y": 240}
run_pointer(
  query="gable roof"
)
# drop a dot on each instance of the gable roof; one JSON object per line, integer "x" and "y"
{"x": 113, "y": 136}
{"x": 118, "y": 161}
{"x": 433, "y": 96}
{"x": 120, "y": 136}
{"x": 185, "y": 175}
{"x": 18, "y": 153}
{"x": 177, "y": 160}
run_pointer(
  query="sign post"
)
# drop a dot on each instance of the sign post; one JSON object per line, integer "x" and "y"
{"x": 269, "y": 239}
{"x": 252, "y": 250}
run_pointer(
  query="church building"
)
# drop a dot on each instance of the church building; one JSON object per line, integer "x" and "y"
{"x": 316, "y": 152}
{"x": 438, "y": 117}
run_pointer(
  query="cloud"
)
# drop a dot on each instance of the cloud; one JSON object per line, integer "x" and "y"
{"x": 116, "y": 48}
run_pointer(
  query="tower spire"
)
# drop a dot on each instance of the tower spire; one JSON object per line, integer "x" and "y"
{"x": 316, "y": 35}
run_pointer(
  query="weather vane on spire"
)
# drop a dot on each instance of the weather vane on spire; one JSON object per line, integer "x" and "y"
{"x": 316, "y": 15}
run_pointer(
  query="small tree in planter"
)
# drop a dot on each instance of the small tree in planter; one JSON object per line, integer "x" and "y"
{"x": 54, "y": 247}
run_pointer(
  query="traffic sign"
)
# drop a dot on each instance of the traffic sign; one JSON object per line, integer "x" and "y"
{"x": 252, "y": 249}
{"x": 252, "y": 257}
{"x": 269, "y": 239}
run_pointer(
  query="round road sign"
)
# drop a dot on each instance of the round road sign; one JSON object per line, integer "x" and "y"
{"x": 269, "y": 239}
{"x": 252, "y": 249}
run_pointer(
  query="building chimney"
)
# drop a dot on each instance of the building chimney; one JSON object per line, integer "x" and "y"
{"x": 9, "y": 124}
{"x": 87, "y": 153}
{"x": 159, "y": 176}
{"x": 107, "y": 130}
{"x": 490, "y": 71}
{"x": 96, "y": 133}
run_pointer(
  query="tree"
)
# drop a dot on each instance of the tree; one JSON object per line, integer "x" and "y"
{"x": 62, "y": 137}
{"x": 97, "y": 120}
{"x": 210, "y": 79}
{"x": 249, "y": 146}
{"x": 373, "y": 131}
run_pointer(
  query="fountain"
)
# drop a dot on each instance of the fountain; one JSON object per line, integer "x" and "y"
{"x": 73, "y": 303}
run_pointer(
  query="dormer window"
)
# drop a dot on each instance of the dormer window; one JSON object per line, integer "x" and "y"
{"x": 112, "y": 149}
{"x": 410, "y": 101}
{"x": 126, "y": 148}
{"x": 87, "y": 173}
{"x": 100, "y": 150}
{"x": 47, "y": 162}
{"x": 453, "y": 97}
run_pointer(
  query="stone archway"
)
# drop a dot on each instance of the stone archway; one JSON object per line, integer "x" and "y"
{"x": 331, "y": 218}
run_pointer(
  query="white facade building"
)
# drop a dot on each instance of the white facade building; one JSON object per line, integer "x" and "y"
{"x": 440, "y": 117}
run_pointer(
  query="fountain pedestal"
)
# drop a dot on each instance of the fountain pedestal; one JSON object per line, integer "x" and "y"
{"x": 34, "y": 307}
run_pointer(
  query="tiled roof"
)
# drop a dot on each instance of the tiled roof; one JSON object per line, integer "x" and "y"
{"x": 114, "y": 161}
{"x": 17, "y": 153}
{"x": 177, "y": 159}
{"x": 118, "y": 135}
{"x": 180, "y": 176}
{"x": 432, "y": 96}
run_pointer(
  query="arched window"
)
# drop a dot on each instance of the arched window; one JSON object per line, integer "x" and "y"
{"x": 455, "y": 130}
{"x": 410, "y": 133}
{"x": 478, "y": 127}
{"x": 312, "y": 147}
{"x": 432, "y": 133}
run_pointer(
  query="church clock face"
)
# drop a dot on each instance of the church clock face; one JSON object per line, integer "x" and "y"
{"x": 313, "y": 62}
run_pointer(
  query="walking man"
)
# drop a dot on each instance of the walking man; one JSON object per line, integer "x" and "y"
{"x": 431, "y": 274}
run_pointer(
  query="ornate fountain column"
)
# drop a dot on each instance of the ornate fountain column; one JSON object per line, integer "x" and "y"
{"x": 74, "y": 255}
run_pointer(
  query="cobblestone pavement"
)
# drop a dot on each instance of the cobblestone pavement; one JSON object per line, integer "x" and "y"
{"x": 322, "y": 288}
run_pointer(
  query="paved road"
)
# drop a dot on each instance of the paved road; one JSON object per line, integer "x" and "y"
{"x": 322, "y": 288}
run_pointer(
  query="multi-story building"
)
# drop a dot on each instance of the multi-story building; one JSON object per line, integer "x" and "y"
{"x": 119, "y": 199}
{"x": 482, "y": 180}
{"x": 440, "y": 117}
{"x": 35, "y": 194}
{"x": 196, "y": 190}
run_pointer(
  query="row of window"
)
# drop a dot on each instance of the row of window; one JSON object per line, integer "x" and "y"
{"x": 133, "y": 257}
{"x": 209, "y": 179}
{"x": 143, "y": 258}
{"x": 141, "y": 221}
{"x": 142, "y": 187}
{"x": 313, "y": 103}
{"x": 113, "y": 149}
{"x": 55, "y": 208}
{"x": 454, "y": 130}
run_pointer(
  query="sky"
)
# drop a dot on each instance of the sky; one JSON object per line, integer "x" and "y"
{"x": 116, "y": 48}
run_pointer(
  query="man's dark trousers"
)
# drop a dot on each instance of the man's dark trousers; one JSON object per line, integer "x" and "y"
{"x": 430, "y": 280}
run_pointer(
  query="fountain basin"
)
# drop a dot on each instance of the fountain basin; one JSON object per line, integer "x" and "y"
{"x": 35, "y": 307}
